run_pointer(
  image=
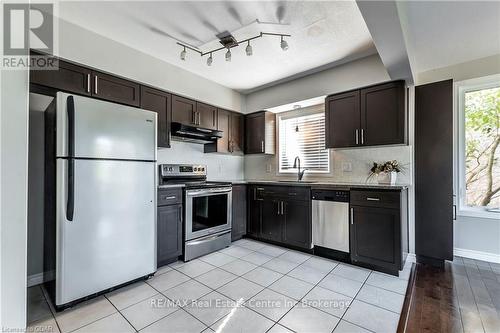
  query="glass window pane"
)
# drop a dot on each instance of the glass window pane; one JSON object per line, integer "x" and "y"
{"x": 482, "y": 150}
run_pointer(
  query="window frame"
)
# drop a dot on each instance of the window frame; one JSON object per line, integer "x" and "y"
{"x": 462, "y": 88}
{"x": 306, "y": 111}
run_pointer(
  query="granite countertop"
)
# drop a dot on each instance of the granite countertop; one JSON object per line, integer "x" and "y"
{"x": 322, "y": 184}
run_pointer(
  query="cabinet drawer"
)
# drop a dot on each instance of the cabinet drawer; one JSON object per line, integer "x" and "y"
{"x": 169, "y": 196}
{"x": 387, "y": 199}
{"x": 287, "y": 192}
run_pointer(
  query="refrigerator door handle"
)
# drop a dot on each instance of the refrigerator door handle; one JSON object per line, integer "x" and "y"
{"x": 70, "y": 104}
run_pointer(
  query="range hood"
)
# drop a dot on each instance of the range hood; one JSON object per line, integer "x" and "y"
{"x": 186, "y": 133}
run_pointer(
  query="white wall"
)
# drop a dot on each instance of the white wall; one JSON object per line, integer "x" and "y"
{"x": 355, "y": 74}
{"x": 219, "y": 167}
{"x": 85, "y": 47}
{"x": 13, "y": 197}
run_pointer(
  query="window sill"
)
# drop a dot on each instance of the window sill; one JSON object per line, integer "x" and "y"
{"x": 478, "y": 213}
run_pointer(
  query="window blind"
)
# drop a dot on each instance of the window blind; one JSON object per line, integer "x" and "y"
{"x": 303, "y": 136}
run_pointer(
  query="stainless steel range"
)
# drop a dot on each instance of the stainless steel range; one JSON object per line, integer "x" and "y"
{"x": 207, "y": 208}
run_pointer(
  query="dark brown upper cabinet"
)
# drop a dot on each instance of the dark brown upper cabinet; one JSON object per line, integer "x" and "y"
{"x": 69, "y": 78}
{"x": 183, "y": 110}
{"x": 342, "y": 120}
{"x": 260, "y": 133}
{"x": 206, "y": 115}
{"x": 231, "y": 125}
{"x": 159, "y": 102}
{"x": 369, "y": 116}
{"x": 383, "y": 114}
{"x": 114, "y": 89}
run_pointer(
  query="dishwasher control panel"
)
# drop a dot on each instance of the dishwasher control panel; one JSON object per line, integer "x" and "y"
{"x": 330, "y": 195}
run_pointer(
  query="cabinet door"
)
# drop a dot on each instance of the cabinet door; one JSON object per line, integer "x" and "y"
{"x": 159, "y": 102}
{"x": 68, "y": 77}
{"x": 297, "y": 223}
{"x": 375, "y": 236}
{"x": 169, "y": 233}
{"x": 115, "y": 89}
{"x": 237, "y": 133}
{"x": 183, "y": 110}
{"x": 207, "y": 115}
{"x": 254, "y": 134}
{"x": 224, "y": 125}
{"x": 254, "y": 212}
{"x": 271, "y": 220}
{"x": 239, "y": 225}
{"x": 383, "y": 114}
{"x": 342, "y": 120}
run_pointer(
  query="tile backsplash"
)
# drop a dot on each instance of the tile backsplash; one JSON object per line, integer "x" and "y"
{"x": 357, "y": 160}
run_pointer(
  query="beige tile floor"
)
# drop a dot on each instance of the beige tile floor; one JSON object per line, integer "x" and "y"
{"x": 248, "y": 287}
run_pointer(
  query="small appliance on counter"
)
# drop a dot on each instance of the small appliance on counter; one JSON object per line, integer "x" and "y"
{"x": 330, "y": 223}
{"x": 207, "y": 208}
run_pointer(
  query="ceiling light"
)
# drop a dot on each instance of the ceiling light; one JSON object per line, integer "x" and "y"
{"x": 183, "y": 54}
{"x": 284, "y": 44}
{"x": 248, "y": 49}
{"x": 228, "y": 55}
{"x": 210, "y": 60}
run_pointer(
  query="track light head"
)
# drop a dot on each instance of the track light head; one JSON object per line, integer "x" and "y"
{"x": 284, "y": 44}
{"x": 228, "y": 55}
{"x": 210, "y": 60}
{"x": 183, "y": 54}
{"x": 248, "y": 49}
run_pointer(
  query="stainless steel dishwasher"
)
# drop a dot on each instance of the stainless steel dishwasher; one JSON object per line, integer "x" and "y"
{"x": 330, "y": 221}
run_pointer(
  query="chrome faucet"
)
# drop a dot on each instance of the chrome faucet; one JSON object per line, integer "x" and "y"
{"x": 300, "y": 174}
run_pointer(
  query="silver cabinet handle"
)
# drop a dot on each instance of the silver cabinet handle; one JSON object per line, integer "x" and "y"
{"x": 95, "y": 84}
{"x": 199, "y": 118}
{"x": 262, "y": 146}
{"x": 362, "y": 136}
{"x": 372, "y": 199}
{"x": 352, "y": 215}
{"x": 170, "y": 197}
{"x": 193, "y": 117}
{"x": 282, "y": 208}
{"x": 279, "y": 209}
{"x": 88, "y": 83}
{"x": 357, "y": 136}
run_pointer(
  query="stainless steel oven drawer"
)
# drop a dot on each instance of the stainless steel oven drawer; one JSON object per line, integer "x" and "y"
{"x": 198, "y": 247}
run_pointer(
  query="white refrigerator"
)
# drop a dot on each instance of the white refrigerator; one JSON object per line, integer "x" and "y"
{"x": 105, "y": 196}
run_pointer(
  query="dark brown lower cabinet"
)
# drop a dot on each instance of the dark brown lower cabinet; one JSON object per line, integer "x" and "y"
{"x": 239, "y": 223}
{"x": 280, "y": 214}
{"x": 378, "y": 230}
{"x": 169, "y": 227}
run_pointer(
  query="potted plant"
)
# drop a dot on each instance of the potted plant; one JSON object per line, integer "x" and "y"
{"x": 386, "y": 173}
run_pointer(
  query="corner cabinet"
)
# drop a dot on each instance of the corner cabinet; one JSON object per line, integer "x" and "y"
{"x": 159, "y": 102}
{"x": 379, "y": 229}
{"x": 232, "y": 126}
{"x": 169, "y": 222}
{"x": 260, "y": 133}
{"x": 370, "y": 116}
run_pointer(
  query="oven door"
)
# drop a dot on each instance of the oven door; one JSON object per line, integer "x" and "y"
{"x": 208, "y": 211}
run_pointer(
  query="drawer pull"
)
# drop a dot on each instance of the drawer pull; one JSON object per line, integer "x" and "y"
{"x": 372, "y": 199}
{"x": 170, "y": 197}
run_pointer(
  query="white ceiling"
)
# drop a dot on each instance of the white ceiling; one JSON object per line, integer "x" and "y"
{"x": 323, "y": 32}
{"x": 444, "y": 33}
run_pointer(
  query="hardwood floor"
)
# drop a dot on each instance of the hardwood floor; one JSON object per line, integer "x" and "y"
{"x": 464, "y": 297}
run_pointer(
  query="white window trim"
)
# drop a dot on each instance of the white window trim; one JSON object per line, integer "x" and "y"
{"x": 460, "y": 89}
{"x": 296, "y": 113}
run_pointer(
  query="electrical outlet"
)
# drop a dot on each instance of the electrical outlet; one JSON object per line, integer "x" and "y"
{"x": 220, "y": 168}
{"x": 346, "y": 167}
{"x": 269, "y": 168}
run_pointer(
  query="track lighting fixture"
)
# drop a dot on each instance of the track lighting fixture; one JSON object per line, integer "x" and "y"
{"x": 183, "y": 54}
{"x": 228, "y": 42}
{"x": 284, "y": 44}
{"x": 248, "y": 49}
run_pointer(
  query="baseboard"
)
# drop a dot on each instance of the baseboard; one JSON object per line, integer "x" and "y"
{"x": 478, "y": 255}
{"x": 39, "y": 278}
{"x": 411, "y": 257}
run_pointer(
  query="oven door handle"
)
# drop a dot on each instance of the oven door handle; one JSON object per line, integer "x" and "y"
{"x": 197, "y": 193}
